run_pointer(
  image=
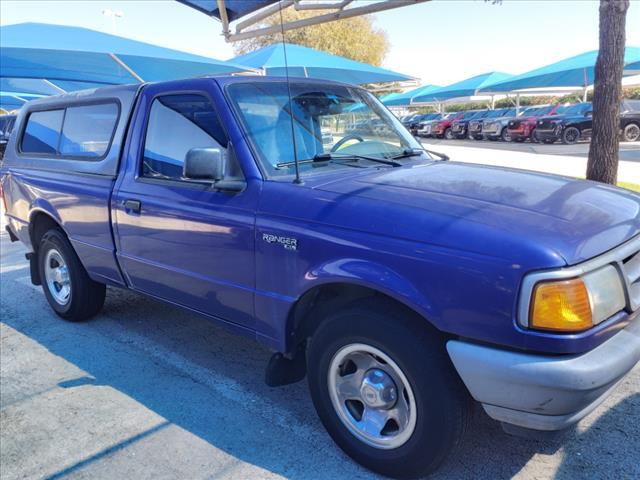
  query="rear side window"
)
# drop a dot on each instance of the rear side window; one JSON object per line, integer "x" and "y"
{"x": 42, "y": 133}
{"x": 88, "y": 129}
{"x": 178, "y": 123}
{"x": 83, "y": 131}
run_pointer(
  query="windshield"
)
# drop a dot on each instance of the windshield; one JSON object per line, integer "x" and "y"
{"x": 497, "y": 113}
{"x": 327, "y": 119}
{"x": 577, "y": 109}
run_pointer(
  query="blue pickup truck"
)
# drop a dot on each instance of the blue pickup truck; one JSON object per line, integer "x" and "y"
{"x": 404, "y": 287}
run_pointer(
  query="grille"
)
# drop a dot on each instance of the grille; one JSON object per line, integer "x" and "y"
{"x": 631, "y": 271}
{"x": 475, "y": 126}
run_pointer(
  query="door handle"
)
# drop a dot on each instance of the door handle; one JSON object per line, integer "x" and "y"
{"x": 132, "y": 206}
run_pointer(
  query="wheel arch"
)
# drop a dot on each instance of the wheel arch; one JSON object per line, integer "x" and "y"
{"x": 331, "y": 293}
{"x": 40, "y": 221}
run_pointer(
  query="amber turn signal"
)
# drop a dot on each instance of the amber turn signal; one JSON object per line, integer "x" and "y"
{"x": 561, "y": 306}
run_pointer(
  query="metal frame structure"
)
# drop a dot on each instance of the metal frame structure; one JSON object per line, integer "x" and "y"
{"x": 339, "y": 9}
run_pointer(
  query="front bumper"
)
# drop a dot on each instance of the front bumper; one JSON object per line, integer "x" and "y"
{"x": 544, "y": 392}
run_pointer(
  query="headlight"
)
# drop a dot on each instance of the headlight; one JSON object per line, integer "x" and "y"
{"x": 576, "y": 304}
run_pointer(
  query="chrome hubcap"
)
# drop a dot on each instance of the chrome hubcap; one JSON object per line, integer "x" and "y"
{"x": 57, "y": 278}
{"x": 372, "y": 396}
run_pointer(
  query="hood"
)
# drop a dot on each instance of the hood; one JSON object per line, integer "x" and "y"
{"x": 524, "y": 216}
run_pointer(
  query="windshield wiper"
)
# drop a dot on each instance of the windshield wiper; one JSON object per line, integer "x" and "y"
{"x": 415, "y": 152}
{"x": 409, "y": 152}
{"x": 327, "y": 157}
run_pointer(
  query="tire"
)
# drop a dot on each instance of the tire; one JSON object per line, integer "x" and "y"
{"x": 60, "y": 267}
{"x": 570, "y": 135}
{"x": 631, "y": 133}
{"x": 441, "y": 403}
{"x": 448, "y": 134}
{"x": 534, "y": 136}
{"x": 505, "y": 135}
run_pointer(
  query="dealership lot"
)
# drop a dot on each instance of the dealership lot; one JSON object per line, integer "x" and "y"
{"x": 146, "y": 390}
{"x": 569, "y": 160}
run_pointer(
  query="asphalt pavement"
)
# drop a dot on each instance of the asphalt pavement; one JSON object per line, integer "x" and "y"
{"x": 149, "y": 391}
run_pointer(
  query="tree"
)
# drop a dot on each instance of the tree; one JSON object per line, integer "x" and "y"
{"x": 356, "y": 38}
{"x": 602, "y": 165}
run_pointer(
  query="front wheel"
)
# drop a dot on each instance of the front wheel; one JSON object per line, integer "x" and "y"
{"x": 448, "y": 134}
{"x": 505, "y": 135}
{"x": 631, "y": 133}
{"x": 385, "y": 390}
{"x": 534, "y": 136}
{"x": 66, "y": 284}
{"x": 570, "y": 135}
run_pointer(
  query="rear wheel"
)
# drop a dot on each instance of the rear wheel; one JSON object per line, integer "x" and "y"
{"x": 631, "y": 133}
{"x": 570, "y": 135}
{"x": 385, "y": 390}
{"x": 66, "y": 284}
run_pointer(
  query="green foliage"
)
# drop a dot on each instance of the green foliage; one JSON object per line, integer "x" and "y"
{"x": 355, "y": 38}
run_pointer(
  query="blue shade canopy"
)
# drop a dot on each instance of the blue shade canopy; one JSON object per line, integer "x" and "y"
{"x": 404, "y": 99}
{"x": 73, "y": 54}
{"x": 235, "y": 8}
{"x": 14, "y": 100}
{"x": 307, "y": 62}
{"x": 464, "y": 88}
{"x": 576, "y": 71}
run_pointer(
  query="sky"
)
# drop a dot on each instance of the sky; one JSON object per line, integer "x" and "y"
{"x": 440, "y": 42}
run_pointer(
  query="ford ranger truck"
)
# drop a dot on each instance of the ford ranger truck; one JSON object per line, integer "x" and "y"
{"x": 575, "y": 123}
{"x": 523, "y": 127}
{"x": 403, "y": 287}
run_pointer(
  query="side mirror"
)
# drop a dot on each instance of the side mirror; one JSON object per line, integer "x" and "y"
{"x": 588, "y": 113}
{"x": 204, "y": 164}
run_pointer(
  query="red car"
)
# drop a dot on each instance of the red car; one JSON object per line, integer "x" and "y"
{"x": 523, "y": 127}
{"x": 442, "y": 129}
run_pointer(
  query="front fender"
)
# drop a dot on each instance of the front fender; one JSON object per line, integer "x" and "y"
{"x": 371, "y": 275}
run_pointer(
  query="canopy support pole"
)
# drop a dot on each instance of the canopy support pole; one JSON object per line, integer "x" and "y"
{"x": 584, "y": 94}
{"x": 493, "y": 102}
{"x": 126, "y": 67}
{"x": 53, "y": 85}
{"x": 517, "y": 103}
{"x": 365, "y": 9}
{"x": 222, "y": 9}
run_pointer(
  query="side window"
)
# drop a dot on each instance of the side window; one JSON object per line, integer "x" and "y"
{"x": 42, "y": 133}
{"x": 88, "y": 129}
{"x": 178, "y": 123}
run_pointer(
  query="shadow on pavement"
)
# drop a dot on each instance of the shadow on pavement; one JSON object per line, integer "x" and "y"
{"x": 210, "y": 383}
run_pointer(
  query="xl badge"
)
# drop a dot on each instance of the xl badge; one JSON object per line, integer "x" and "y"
{"x": 287, "y": 242}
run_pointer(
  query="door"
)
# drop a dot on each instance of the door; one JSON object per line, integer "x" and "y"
{"x": 178, "y": 239}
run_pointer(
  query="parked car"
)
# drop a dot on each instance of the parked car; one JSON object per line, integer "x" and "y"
{"x": 570, "y": 125}
{"x": 6, "y": 126}
{"x": 402, "y": 287}
{"x": 575, "y": 123}
{"x": 460, "y": 127}
{"x": 496, "y": 128}
{"x": 419, "y": 120}
{"x": 422, "y": 128}
{"x": 523, "y": 127}
{"x": 476, "y": 125}
{"x": 442, "y": 128}
{"x": 630, "y": 120}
